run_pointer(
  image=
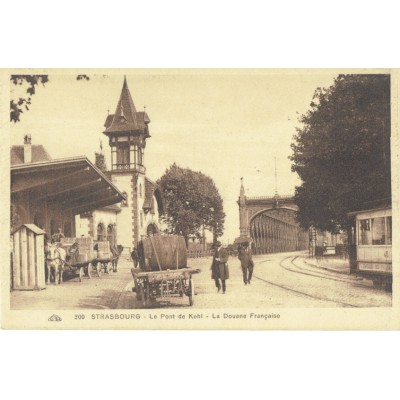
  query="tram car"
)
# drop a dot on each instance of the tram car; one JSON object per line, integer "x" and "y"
{"x": 370, "y": 245}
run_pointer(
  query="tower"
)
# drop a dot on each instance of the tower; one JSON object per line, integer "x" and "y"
{"x": 244, "y": 229}
{"x": 127, "y": 131}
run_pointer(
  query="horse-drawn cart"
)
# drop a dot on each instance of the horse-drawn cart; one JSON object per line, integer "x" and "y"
{"x": 163, "y": 272}
{"x": 107, "y": 257}
{"x": 80, "y": 257}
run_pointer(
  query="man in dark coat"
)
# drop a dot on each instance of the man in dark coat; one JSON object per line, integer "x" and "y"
{"x": 219, "y": 267}
{"x": 246, "y": 262}
{"x": 135, "y": 257}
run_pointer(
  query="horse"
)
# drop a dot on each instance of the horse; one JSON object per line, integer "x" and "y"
{"x": 55, "y": 260}
{"x": 116, "y": 252}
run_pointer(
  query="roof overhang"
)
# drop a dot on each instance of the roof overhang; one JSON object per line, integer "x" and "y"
{"x": 75, "y": 183}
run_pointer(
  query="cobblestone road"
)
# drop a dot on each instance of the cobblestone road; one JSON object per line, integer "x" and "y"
{"x": 280, "y": 280}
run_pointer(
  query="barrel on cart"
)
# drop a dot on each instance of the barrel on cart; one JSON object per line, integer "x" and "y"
{"x": 163, "y": 271}
{"x": 162, "y": 252}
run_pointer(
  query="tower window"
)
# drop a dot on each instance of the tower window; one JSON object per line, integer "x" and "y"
{"x": 140, "y": 156}
{"x": 123, "y": 159}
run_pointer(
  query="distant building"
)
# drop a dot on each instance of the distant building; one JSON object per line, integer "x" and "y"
{"x": 138, "y": 214}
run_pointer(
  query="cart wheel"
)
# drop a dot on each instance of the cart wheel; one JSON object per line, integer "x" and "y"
{"x": 180, "y": 290}
{"x": 145, "y": 296}
{"x": 109, "y": 267}
{"x": 191, "y": 292}
{"x": 139, "y": 293}
{"x": 81, "y": 274}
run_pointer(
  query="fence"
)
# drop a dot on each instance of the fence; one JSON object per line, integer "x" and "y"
{"x": 199, "y": 254}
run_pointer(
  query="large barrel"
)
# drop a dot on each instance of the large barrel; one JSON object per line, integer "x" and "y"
{"x": 162, "y": 252}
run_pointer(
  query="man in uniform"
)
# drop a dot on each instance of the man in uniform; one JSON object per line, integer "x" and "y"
{"x": 219, "y": 267}
{"x": 246, "y": 262}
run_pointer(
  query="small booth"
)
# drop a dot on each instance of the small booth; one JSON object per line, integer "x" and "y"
{"x": 28, "y": 269}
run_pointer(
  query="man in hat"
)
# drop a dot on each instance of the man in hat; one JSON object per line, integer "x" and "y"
{"x": 219, "y": 267}
{"x": 246, "y": 262}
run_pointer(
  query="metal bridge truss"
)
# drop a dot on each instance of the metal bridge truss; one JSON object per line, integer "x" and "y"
{"x": 273, "y": 235}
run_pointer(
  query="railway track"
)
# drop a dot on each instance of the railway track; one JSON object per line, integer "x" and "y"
{"x": 309, "y": 272}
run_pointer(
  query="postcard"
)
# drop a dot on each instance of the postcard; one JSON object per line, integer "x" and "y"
{"x": 205, "y": 199}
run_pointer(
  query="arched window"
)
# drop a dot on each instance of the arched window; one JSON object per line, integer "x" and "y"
{"x": 53, "y": 227}
{"x": 68, "y": 229}
{"x": 101, "y": 232}
{"x": 152, "y": 230}
{"x": 124, "y": 202}
{"x": 38, "y": 220}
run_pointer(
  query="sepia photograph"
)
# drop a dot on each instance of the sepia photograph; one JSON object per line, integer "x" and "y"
{"x": 202, "y": 199}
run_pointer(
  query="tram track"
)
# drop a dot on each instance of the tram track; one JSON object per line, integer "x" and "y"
{"x": 318, "y": 274}
{"x": 300, "y": 292}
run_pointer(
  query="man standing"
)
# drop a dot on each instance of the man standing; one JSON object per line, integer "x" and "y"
{"x": 57, "y": 236}
{"x": 219, "y": 267}
{"x": 246, "y": 262}
{"x": 135, "y": 257}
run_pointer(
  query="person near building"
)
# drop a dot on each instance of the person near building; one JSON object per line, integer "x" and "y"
{"x": 246, "y": 262}
{"x": 135, "y": 257}
{"x": 219, "y": 267}
{"x": 57, "y": 236}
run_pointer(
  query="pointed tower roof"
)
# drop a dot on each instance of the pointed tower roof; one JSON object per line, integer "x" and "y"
{"x": 126, "y": 118}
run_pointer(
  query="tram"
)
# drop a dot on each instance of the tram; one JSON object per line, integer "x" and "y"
{"x": 370, "y": 245}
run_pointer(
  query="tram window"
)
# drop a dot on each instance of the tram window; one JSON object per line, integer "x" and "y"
{"x": 388, "y": 230}
{"x": 378, "y": 230}
{"x": 364, "y": 232}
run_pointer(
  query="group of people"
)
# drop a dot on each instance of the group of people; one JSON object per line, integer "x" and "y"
{"x": 220, "y": 269}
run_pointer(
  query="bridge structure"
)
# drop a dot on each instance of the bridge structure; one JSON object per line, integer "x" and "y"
{"x": 270, "y": 222}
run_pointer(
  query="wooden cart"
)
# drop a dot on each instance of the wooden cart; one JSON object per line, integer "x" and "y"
{"x": 163, "y": 284}
{"x": 163, "y": 271}
{"x": 80, "y": 257}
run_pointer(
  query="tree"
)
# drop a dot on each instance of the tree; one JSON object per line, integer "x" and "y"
{"x": 192, "y": 202}
{"x": 17, "y": 106}
{"x": 342, "y": 151}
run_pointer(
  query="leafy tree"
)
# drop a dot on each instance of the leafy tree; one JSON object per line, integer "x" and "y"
{"x": 192, "y": 202}
{"x": 342, "y": 151}
{"x": 17, "y": 106}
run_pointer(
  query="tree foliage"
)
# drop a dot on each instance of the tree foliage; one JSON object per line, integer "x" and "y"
{"x": 342, "y": 150}
{"x": 192, "y": 202}
{"x": 17, "y": 107}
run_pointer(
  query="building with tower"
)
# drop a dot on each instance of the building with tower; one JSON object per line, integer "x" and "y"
{"x": 137, "y": 215}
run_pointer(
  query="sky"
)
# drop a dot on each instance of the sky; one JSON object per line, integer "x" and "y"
{"x": 227, "y": 124}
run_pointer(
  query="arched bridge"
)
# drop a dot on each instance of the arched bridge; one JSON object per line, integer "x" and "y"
{"x": 271, "y": 223}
